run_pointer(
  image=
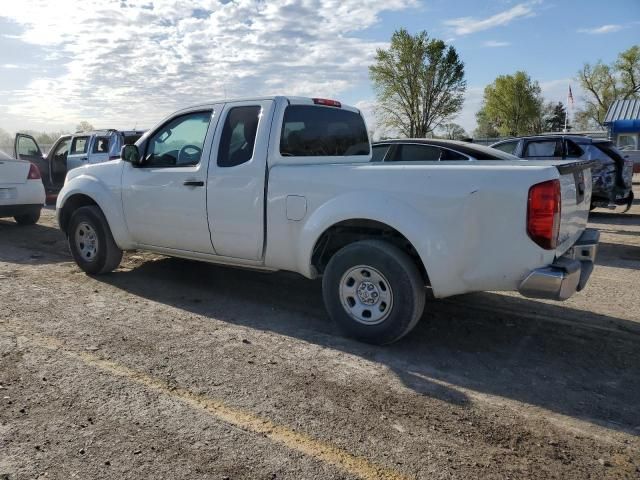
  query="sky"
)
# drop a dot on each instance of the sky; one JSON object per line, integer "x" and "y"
{"x": 129, "y": 63}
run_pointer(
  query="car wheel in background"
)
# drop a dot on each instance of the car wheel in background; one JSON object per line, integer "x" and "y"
{"x": 28, "y": 218}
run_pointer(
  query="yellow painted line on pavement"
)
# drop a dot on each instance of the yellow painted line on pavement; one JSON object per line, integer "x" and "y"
{"x": 247, "y": 421}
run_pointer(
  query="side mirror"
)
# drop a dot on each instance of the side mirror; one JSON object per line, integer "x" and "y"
{"x": 131, "y": 154}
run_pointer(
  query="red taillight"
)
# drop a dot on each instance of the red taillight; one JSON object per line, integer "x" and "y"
{"x": 326, "y": 102}
{"x": 543, "y": 214}
{"x": 34, "y": 173}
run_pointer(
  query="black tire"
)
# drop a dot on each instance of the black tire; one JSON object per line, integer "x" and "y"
{"x": 28, "y": 218}
{"x": 107, "y": 255}
{"x": 397, "y": 269}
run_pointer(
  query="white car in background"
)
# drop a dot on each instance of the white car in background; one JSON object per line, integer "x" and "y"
{"x": 21, "y": 190}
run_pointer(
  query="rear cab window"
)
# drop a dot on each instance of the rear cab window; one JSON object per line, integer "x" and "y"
{"x": 319, "y": 131}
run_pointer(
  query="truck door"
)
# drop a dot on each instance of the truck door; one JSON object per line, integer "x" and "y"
{"x": 78, "y": 152}
{"x": 100, "y": 151}
{"x": 164, "y": 199}
{"x": 236, "y": 181}
{"x": 25, "y": 147}
{"x": 58, "y": 161}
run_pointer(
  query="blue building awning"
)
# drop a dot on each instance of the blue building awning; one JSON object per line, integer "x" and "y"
{"x": 623, "y": 110}
{"x": 625, "y": 126}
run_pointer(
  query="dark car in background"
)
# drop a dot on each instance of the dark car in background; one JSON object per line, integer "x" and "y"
{"x": 71, "y": 151}
{"x": 433, "y": 150}
{"x": 612, "y": 175}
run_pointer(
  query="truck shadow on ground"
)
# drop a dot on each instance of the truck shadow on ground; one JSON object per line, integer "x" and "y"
{"x": 573, "y": 362}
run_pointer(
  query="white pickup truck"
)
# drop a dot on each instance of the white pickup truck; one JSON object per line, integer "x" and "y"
{"x": 286, "y": 183}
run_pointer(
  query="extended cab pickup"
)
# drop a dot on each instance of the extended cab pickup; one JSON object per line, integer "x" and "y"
{"x": 286, "y": 183}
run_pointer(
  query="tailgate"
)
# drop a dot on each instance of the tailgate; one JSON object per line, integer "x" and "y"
{"x": 575, "y": 188}
{"x": 13, "y": 171}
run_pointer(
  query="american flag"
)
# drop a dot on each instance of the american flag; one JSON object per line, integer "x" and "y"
{"x": 570, "y": 96}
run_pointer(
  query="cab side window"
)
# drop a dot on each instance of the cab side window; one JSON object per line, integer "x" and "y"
{"x": 179, "y": 142}
{"x": 101, "y": 145}
{"x": 79, "y": 145}
{"x": 239, "y": 135}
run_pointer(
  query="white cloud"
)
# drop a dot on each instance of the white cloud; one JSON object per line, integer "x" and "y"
{"x": 602, "y": 29}
{"x": 135, "y": 60}
{"x": 467, "y": 25}
{"x": 495, "y": 44}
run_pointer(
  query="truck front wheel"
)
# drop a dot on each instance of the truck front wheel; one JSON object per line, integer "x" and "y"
{"x": 373, "y": 291}
{"x": 91, "y": 243}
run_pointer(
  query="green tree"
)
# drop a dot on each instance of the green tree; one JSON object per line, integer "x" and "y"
{"x": 419, "y": 83}
{"x": 84, "y": 126}
{"x": 485, "y": 128}
{"x": 554, "y": 117}
{"x": 513, "y": 105}
{"x": 628, "y": 66}
{"x": 603, "y": 84}
{"x": 601, "y": 89}
{"x": 452, "y": 131}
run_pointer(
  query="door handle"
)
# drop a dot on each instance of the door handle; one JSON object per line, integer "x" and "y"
{"x": 194, "y": 183}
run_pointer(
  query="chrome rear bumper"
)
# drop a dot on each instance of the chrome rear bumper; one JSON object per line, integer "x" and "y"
{"x": 568, "y": 274}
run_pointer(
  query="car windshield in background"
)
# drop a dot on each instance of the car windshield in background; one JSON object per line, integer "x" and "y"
{"x": 311, "y": 131}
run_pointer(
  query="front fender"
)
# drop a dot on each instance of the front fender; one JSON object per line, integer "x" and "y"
{"x": 108, "y": 199}
{"x": 369, "y": 206}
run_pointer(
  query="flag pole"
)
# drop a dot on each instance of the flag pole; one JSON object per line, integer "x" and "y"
{"x": 566, "y": 115}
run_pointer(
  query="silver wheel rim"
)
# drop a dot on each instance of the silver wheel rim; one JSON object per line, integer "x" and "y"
{"x": 366, "y": 295}
{"x": 86, "y": 241}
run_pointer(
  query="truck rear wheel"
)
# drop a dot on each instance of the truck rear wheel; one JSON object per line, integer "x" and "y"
{"x": 373, "y": 291}
{"x": 91, "y": 242}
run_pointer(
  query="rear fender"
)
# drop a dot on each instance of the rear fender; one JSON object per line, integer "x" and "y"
{"x": 367, "y": 206}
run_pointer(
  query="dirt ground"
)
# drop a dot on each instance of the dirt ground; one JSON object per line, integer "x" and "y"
{"x": 174, "y": 369}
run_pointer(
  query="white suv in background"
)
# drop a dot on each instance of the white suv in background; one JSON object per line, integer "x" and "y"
{"x": 71, "y": 151}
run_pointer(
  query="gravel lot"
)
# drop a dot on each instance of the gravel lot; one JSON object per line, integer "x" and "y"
{"x": 174, "y": 369}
